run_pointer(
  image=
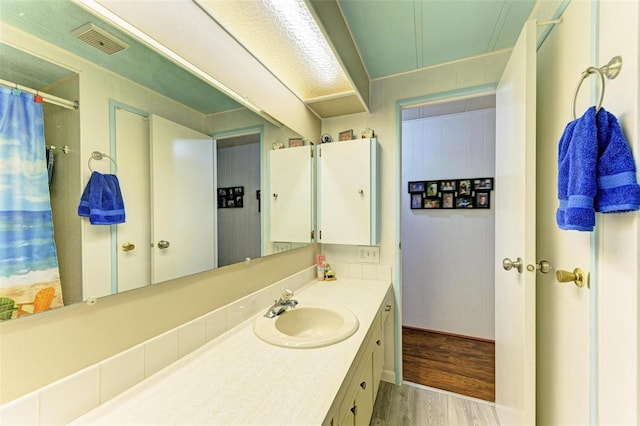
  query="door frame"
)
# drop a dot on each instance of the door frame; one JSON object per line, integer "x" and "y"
{"x": 402, "y": 104}
{"x": 259, "y": 130}
{"x": 113, "y": 106}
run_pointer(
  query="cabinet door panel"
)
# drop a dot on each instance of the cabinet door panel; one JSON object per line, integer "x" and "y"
{"x": 347, "y": 190}
{"x": 290, "y": 195}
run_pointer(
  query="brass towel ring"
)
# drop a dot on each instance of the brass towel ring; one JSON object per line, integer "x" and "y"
{"x": 97, "y": 155}
{"x": 611, "y": 71}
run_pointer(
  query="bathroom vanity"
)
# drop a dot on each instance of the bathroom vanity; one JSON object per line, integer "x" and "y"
{"x": 238, "y": 379}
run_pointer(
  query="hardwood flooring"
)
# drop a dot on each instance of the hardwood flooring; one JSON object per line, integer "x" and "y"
{"x": 456, "y": 364}
{"x": 415, "y": 405}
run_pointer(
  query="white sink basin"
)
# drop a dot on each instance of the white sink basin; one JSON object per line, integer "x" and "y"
{"x": 307, "y": 327}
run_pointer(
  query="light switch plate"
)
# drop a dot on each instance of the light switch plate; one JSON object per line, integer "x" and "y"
{"x": 368, "y": 254}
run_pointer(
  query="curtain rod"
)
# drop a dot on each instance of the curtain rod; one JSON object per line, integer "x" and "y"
{"x": 65, "y": 103}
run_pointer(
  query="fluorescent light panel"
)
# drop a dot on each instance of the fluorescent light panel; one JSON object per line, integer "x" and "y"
{"x": 285, "y": 38}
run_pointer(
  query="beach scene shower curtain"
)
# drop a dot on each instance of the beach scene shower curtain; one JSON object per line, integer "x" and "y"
{"x": 29, "y": 278}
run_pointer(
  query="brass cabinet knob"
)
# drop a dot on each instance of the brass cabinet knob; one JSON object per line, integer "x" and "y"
{"x": 128, "y": 246}
{"x": 162, "y": 244}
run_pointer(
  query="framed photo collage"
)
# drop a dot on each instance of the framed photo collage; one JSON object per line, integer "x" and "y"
{"x": 451, "y": 194}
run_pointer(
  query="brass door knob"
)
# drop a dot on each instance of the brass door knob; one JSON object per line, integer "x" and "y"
{"x": 162, "y": 244}
{"x": 509, "y": 264}
{"x": 577, "y": 276}
{"x": 128, "y": 246}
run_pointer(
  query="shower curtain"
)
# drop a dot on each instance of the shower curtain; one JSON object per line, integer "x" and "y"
{"x": 28, "y": 259}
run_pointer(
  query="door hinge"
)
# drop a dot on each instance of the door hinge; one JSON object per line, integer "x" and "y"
{"x": 312, "y": 234}
{"x": 311, "y": 151}
{"x": 320, "y": 234}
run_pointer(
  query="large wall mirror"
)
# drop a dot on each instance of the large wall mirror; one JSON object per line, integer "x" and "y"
{"x": 192, "y": 163}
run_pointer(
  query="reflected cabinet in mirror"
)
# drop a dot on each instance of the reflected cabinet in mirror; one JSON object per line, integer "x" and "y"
{"x": 192, "y": 168}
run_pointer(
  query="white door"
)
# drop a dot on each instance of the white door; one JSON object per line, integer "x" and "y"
{"x": 515, "y": 191}
{"x": 183, "y": 201}
{"x": 133, "y": 236}
{"x": 290, "y": 194}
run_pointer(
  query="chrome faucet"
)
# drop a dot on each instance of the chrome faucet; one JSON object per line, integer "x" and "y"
{"x": 281, "y": 305}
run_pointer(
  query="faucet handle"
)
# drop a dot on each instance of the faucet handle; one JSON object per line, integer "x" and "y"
{"x": 287, "y": 293}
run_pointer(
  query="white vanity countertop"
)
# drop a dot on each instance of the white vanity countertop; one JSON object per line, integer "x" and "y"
{"x": 237, "y": 379}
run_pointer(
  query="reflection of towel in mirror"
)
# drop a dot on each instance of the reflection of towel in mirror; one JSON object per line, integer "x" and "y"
{"x": 596, "y": 171}
{"x": 101, "y": 200}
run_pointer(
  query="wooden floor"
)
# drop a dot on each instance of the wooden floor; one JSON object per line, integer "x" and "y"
{"x": 456, "y": 364}
{"x": 415, "y": 405}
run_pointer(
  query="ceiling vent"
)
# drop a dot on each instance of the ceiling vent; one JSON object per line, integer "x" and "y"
{"x": 99, "y": 38}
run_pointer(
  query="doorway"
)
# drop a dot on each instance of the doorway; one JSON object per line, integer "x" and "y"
{"x": 448, "y": 246}
{"x": 239, "y": 223}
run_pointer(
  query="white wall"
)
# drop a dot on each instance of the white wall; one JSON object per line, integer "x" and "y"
{"x": 448, "y": 255}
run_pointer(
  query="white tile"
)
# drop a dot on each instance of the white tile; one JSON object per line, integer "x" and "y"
{"x": 215, "y": 323}
{"x": 191, "y": 336}
{"x": 160, "y": 352}
{"x": 370, "y": 272}
{"x": 355, "y": 270}
{"x": 235, "y": 314}
{"x": 70, "y": 397}
{"x": 22, "y": 411}
{"x": 120, "y": 372}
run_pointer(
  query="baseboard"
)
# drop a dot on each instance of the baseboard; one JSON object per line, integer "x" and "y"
{"x": 389, "y": 376}
{"x": 445, "y": 333}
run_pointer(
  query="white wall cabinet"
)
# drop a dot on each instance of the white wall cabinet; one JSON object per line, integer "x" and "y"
{"x": 290, "y": 195}
{"x": 348, "y": 192}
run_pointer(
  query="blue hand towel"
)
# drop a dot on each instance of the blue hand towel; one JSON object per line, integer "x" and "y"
{"x": 596, "y": 171}
{"x": 577, "y": 156}
{"x": 618, "y": 190}
{"x": 101, "y": 200}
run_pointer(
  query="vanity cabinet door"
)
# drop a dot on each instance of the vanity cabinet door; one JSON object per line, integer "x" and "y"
{"x": 348, "y": 192}
{"x": 290, "y": 195}
{"x": 364, "y": 395}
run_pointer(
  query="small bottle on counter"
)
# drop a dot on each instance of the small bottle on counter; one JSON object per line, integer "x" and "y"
{"x": 320, "y": 264}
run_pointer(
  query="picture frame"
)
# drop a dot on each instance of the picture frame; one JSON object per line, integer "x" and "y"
{"x": 483, "y": 184}
{"x": 432, "y": 203}
{"x": 464, "y": 202}
{"x": 432, "y": 188}
{"x": 416, "y": 186}
{"x": 295, "y": 142}
{"x": 448, "y": 185}
{"x": 416, "y": 201}
{"x": 464, "y": 187}
{"x": 482, "y": 200}
{"x": 231, "y": 197}
{"x": 346, "y": 135}
{"x": 448, "y": 200}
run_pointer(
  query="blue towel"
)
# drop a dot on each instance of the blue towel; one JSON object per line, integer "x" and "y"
{"x": 618, "y": 190}
{"x": 596, "y": 171}
{"x": 101, "y": 200}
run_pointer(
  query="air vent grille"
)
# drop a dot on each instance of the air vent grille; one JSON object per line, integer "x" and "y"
{"x": 100, "y": 39}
